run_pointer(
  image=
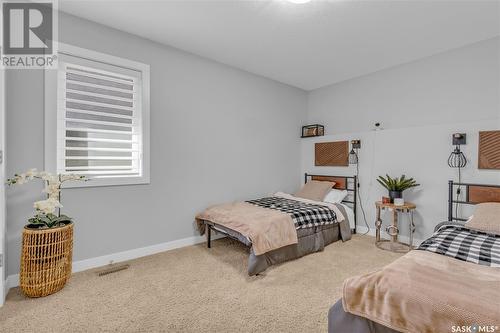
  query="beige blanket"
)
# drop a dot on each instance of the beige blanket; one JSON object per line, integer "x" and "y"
{"x": 426, "y": 292}
{"x": 267, "y": 229}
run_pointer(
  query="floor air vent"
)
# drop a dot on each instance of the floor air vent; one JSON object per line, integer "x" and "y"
{"x": 113, "y": 269}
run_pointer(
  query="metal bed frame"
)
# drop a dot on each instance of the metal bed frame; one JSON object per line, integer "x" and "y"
{"x": 494, "y": 196}
{"x": 353, "y": 189}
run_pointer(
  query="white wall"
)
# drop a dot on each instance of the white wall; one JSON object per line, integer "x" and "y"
{"x": 420, "y": 105}
{"x": 217, "y": 134}
{"x": 456, "y": 86}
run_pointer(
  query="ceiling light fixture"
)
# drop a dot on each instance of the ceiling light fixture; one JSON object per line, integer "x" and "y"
{"x": 299, "y": 1}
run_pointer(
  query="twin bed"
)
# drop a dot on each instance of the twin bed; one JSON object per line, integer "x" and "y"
{"x": 283, "y": 227}
{"x": 451, "y": 283}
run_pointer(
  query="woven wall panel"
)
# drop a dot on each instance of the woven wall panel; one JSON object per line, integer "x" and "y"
{"x": 331, "y": 153}
{"x": 489, "y": 150}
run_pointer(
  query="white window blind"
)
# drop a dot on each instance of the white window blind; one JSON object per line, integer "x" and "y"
{"x": 100, "y": 132}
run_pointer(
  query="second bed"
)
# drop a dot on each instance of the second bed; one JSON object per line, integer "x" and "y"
{"x": 317, "y": 223}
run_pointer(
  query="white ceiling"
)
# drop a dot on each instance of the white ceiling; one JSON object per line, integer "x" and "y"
{"x": 305, "y": 45}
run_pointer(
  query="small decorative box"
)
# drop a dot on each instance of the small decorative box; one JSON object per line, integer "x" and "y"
{"x": 312, "y": 130}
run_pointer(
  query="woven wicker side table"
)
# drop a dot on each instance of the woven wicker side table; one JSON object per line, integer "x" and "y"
{"x": 46, "y": 260}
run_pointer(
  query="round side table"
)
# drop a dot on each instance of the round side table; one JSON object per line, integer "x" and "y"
{"x": 393, "y": 244}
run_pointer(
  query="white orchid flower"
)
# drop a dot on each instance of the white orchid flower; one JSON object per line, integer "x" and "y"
{"x": 48, "y": 176}
{"x": 52, "y": 187}
{"x": 47, "y": 206}
{"x": 31, "y": 173}
{"x": 21, "y": 179}
{"x": 52, "y": 190}
{"x": 71, "y": 176}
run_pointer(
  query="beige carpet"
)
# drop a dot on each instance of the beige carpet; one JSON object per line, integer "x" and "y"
{"x": 195, "y": 289}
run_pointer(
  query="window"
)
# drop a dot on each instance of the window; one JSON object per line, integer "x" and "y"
{"x": 97, "y": 118}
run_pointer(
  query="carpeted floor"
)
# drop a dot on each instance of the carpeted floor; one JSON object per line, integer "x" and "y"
{"x": 195, "y": 289}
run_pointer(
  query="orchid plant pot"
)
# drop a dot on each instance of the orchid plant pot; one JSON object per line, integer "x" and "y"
{"x": 47, "y": 240}
{"x": 46, "y": 259}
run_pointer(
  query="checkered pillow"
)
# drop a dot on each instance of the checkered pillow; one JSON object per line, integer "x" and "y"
{"x": 465, "y": 244}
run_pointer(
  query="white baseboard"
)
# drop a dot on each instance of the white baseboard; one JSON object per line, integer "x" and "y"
{"x": 361, "y": 229}
{"x": 82, "y": 265}
{"x": 12, "y": 281}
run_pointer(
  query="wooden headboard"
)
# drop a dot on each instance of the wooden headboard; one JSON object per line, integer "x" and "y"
{"x": 347, "y": 183}
{"x": 340, "y": 182}
{"x": 474, "y": 194}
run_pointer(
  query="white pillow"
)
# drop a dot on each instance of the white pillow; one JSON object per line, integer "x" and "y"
{"x": 335, "y": 196}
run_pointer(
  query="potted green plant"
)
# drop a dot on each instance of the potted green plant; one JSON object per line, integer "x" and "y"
{"x": 47, "y": 243}
{"x": 396, "y": 186}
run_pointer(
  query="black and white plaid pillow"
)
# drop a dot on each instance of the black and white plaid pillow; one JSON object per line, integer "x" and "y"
{"x": 465, "y": 244}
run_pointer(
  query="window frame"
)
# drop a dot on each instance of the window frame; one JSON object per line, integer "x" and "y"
{"x": 50, "y": 116}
